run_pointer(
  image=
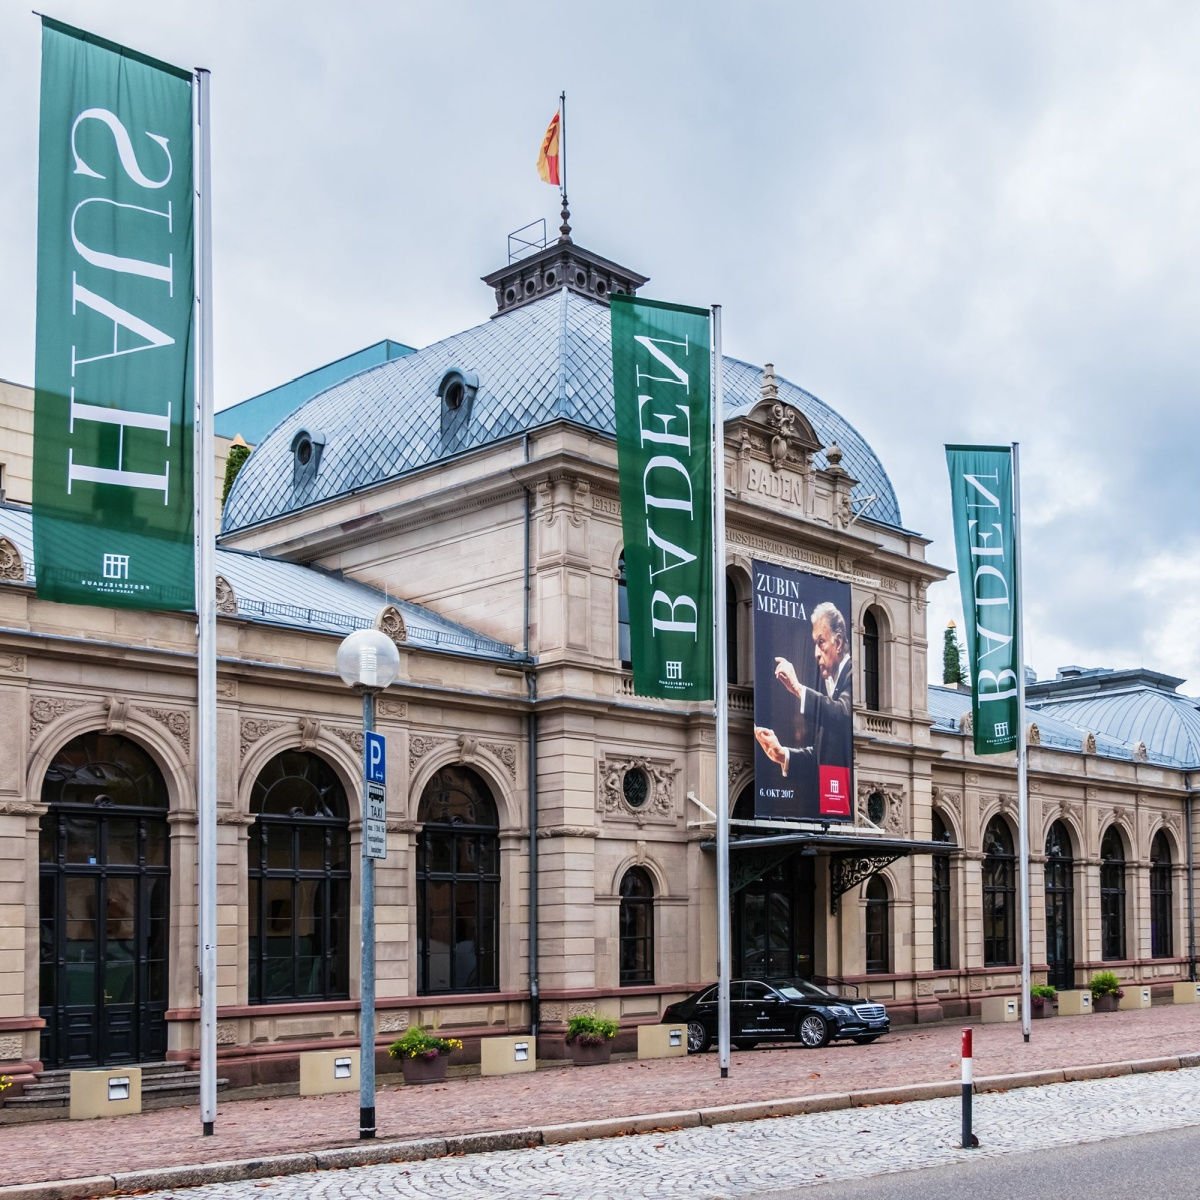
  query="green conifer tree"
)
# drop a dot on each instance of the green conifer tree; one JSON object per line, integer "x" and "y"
{"x": 953, "y": 670}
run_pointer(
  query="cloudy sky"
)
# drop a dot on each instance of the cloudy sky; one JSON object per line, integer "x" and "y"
{"x": 953, "y": 222}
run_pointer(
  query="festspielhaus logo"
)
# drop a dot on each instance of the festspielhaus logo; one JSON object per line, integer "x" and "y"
{"x": 116, "y": 566}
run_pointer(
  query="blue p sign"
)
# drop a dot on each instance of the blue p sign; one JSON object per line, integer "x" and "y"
{"x": 374, "y": 758}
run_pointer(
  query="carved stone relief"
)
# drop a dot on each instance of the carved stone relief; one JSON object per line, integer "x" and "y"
{"x": 892, "y": 817}
{"x": 254, "y": 728}
{"x": 951, "y": 802}
{"x": 393, "y": 1022}
{"x": 352, "y": 737}
{"x": 21, "y": 808}
{"x": 506, "y": 753}
{"x": 11, "y": 1049}
{"x": 12, "y": 664}
{"x": 44, "y": 709}
{"x": 419, "y": 745}
{"x": 178, "y": 724}
{"x": 310, "y": 732}
{"x": 614, "y": 793}
{"x": 397, "y": 710}
{"x": 11, "y": 566}
{"x": 226, "y": 1033}
{"x": 390, "y": 622}
{"x": 227, "y": 688}
{"x": 226, "y": 597}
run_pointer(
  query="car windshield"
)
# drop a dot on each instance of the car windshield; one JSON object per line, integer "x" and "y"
{"x": 801, "y": 989}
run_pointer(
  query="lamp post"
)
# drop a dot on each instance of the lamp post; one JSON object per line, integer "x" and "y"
{"x": 368, "y": 662}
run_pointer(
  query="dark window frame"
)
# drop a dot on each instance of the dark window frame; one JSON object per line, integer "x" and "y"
{"x": 624, "y": 636}
{"x": 941, "y": 899}
{"x": 999, "y": 896}
{"x": 636, "y": 928}
{"x": 319, "y": 893}
{"x": 877, "y": 923}
{"x": 1162, "y": 898}
{"x": 1112, "y": 896}
{"x": 460, "y": 827}
{"x": 871, "y": 662}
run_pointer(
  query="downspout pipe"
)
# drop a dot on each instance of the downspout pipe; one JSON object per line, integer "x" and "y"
{"x": 1189, "y": 800}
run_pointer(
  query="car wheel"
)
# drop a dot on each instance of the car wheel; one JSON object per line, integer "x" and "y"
{"x": 698, "y": 1038}
{"x": 867, "y": 1039}
{"x": 745, "y": 1043}
{"x": 813, "y": 1031}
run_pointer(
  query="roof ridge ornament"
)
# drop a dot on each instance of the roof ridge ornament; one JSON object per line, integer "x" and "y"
{"x": 770, "y": 388}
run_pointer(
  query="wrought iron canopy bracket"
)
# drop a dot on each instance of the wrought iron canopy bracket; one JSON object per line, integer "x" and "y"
{"x": 849, "y": 870}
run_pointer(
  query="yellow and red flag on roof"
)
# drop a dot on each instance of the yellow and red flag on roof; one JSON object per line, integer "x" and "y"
{"x": 547, "y": 163}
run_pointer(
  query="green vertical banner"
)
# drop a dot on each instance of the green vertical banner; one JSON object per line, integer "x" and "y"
{"x": 981, "y": 488}
{"x": 661, "y": 386}
{"x": 113, "y": 406}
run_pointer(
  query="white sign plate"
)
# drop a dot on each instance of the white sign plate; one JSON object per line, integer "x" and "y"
{"x": 375, "y": 822}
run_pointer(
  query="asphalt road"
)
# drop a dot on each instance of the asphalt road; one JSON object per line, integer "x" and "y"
{"x": 1158, "y": 1166}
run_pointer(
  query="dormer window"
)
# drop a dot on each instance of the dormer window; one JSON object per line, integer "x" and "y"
{"x": 457, "y": 393}
{"x": 306, "y": 456}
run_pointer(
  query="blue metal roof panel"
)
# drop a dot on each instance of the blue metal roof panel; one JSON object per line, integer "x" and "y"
{"x": 547, "y": 360}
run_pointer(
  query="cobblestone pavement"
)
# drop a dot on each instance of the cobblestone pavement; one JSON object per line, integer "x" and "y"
{"x": 724, "y": 1162}
{"x": 256, "y": 1128}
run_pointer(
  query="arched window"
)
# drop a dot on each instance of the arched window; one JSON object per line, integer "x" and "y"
{"x": 458, "y": 885}
{"x": 624, "y": 651}
{"x": 941, "y": 898}
{"x": 1060, "y": 907}
{"x": 878, "y": 948}
{"x": 299, "y": 882}
{"x": 637, "y": 927}
{"x": 1112, "y": 895}
{"x": 999, "y": 896}
{"x": 870, "y": 661}
{"x": 1161, "y": 901}
{"x": 743, "y": 807}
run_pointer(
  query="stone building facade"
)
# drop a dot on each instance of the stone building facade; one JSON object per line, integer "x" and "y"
{"x": 549, "y": 832}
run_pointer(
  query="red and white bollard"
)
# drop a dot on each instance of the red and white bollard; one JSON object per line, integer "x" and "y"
{"x": 968, "y": 1084}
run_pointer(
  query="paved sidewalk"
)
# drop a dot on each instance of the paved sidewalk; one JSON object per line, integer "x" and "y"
{"x": 565, "y": 1103}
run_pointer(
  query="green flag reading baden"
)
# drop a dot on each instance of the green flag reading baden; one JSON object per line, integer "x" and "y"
{"x": 112, "y": 470}
{"x": 981, "y": 487}
{"x": 661, "y": 374}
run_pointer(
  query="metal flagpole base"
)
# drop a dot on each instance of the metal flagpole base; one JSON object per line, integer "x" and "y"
{"x": 208, "y": 1128}
{"x": 366, "y": 1123}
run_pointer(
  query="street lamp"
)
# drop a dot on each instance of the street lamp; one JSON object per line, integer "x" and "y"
{"x": 368, "y": 662}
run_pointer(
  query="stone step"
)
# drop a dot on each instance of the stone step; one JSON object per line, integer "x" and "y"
{"x": 160, "y": 1088}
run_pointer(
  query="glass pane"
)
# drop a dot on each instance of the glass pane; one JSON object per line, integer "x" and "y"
{"x": 120, "y": 911}
{"x": 156, "y": 842}
{"x": 312, "y": 847}
{"x": 122, "y": 835}
{"x": 438, "y": 933}
{"x": 336, "y": 956}
{"x": 81, "y": 839}
{"x": 339, "y": 850}
{"x": 489, "y": 855}
{"x": 278, "y": 896}
{"x": 279, "y": 846}
{"x": 439, "y": 851}
{"x": 79, "y": 979}
{"x": 80, "y": 943}
{"x": 468, "y": 856}
{"x": 48, "y": 839}
{"x": 308, "y": 917}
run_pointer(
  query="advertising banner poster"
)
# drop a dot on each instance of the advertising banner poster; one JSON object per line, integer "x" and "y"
{"x": 803, "y": 695}
{"x": 981, "y": 490}
{"x": 662, "y": 393}
{"x": 113, "y": 405}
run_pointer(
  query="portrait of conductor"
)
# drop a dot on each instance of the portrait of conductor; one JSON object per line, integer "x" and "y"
{"x": 827, "y": 711}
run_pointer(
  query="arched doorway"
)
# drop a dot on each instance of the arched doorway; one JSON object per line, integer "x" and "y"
{"x": 1060, "y": 908}
{"x": 104, "y": 908}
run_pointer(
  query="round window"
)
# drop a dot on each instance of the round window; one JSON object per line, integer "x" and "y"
{"x": 876, "y": 808}
{"x": 304, "y": 452}
{"x": 454, "y": 394}
{"x": 550, "y": 278}
{"x": 636, "y": 787}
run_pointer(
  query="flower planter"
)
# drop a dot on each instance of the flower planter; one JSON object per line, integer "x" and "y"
{"x": 1105, "y": 1003}
{"x": 590, "y": 1056}
{"x": 424, "y": 1070}
{"x": 1040, "y": 1011}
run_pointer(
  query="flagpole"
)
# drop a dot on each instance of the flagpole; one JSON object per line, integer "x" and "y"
{"x": 206, "y": 613}
{"x": 562, "y": 148}
{"x": 1022, "y": 749}
{"x": 721, "y": 682}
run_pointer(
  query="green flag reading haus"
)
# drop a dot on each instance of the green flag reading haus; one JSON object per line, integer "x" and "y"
{"x": 981, "y": 489}
{"x": 113, "y": 414}
{"x": 661, "y": 386}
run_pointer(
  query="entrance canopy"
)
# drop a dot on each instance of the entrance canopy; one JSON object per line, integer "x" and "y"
{"x": 854, "y": 854}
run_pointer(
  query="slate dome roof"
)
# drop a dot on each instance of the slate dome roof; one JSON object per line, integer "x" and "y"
{"x": 548, "y": 360}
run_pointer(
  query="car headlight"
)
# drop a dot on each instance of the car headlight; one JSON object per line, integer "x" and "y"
{"x": 840, "y": 1010}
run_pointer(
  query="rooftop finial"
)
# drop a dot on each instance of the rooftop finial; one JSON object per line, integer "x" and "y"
{"x": 564, "y": 229}
{"x": 770, "y": 389}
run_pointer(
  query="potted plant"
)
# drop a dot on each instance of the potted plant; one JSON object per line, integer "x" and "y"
{"x": 423, "y": 1055}
{"x": 589, "y": 1038}
{"x": 1106, "y": 991}
{"x": 1041, "y": 1000}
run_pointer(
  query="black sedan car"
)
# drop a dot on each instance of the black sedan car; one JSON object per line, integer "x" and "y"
{"x": 780, "y": 1011}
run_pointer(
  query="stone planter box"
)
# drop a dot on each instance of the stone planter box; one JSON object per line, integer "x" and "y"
{"x": 1106, "y": 1003}
{"x": 590, "y": 1056}
{"x": 424, "y": 1070}
{"x": 1039, "y": 1012}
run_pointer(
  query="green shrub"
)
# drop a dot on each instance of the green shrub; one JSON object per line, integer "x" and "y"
{"x": 589, "y": 1029}
{"x": 1043, "y": 991}
{"x": 1104, "y": 983}
{"x": 416, "y": 1043}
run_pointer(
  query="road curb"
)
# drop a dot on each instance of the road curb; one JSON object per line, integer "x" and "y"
{"x": 372, "y": 1153}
